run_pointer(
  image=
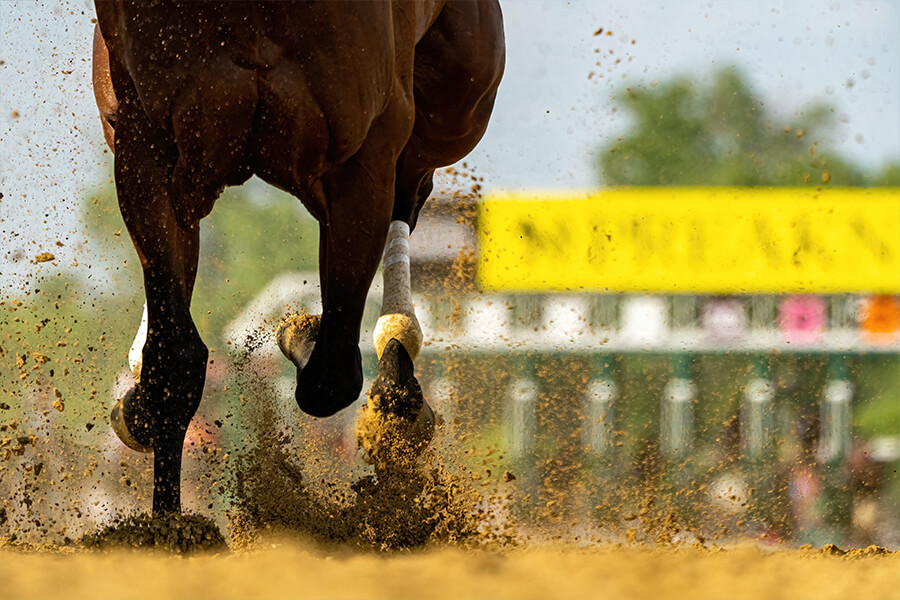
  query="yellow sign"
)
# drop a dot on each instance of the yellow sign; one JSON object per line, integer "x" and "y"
{"x": 704, "y": 240}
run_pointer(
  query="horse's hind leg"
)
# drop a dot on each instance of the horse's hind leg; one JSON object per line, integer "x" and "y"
{"x": 454, "y": 86}
{"x": 398, "y": 314}
{"x": 174, "y": 356}
{"x": 458, "y": 65}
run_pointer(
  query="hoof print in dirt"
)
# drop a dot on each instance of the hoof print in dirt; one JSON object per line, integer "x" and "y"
{"x": 396, "y": 424}
{"x": 174, "y": 532}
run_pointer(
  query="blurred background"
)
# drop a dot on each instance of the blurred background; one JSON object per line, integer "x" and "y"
{"x": 752, "y": 393}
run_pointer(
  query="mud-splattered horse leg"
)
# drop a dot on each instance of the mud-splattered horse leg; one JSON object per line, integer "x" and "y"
{"x": 174, "y": 357}
{"x": 458, "y": 65}
{"x": 457, "y": 68}
{"x": 398, "y": 340}
{"x": 167, "y": 179}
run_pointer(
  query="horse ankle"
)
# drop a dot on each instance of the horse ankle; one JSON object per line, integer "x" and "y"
{"x": 173, "y": 376}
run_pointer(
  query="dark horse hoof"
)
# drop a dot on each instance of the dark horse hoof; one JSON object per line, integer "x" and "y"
{"x": 396, "y": 424}
{"x": 128, "y": 431}
{"x": 324, "y": 389}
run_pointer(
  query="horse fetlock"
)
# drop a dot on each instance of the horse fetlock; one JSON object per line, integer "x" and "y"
{"x": 170, "y": 384}
{"x": 296, "y": 337}
{"x": 402, "y": 327}
{"x": 145, "y": 412}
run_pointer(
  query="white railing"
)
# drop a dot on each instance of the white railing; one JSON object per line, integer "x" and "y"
{"x": 487, "y": 324}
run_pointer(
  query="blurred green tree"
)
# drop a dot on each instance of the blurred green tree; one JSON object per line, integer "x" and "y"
{"x": 244, "y": 243}
{"x": 684, "y": 132}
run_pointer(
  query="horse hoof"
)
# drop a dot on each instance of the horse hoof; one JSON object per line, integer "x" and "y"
{"x": 388, "y": 441}
{"x": 120, "y": 428}
{"x": 296, "y": 337}
{"x": 325, "y": 387}
{"x": 395, "y": 424}
{"x": 323, "y": 401}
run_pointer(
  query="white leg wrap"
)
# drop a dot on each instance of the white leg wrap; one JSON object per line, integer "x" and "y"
{"x": 398, "y": 315}
{"x": 135, "y": 355}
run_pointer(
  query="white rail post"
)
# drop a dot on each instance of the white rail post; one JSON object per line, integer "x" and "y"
{"x": 835, "y": 413}
{"x": 676, "y": 425}
{"x": 599, "y": 409}
{"x": 757, "y": 412}
{"x": 521, "y": 419}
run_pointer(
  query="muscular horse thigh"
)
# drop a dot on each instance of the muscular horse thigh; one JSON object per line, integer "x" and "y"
{"x": 291, "y": 133}
{"x": 211, "y": 123}
{"x": 457, "y": 70}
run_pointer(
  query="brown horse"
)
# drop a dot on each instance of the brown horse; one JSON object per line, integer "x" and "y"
{"x": 350, "y": 106}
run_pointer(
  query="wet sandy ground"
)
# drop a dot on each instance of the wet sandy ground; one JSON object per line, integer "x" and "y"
{"x": 288, "y": 570}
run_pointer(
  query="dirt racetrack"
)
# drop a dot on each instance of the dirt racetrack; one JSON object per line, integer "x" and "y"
{"x": 289, "y": 570}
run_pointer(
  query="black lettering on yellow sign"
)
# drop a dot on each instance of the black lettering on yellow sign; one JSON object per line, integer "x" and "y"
{"x": 870, "y": 241}
{"x": 548, "y": 238}
{"x": 707, "y": 240}
{"x": 768, "y": 241}
{"x": 601, "y": 237}
{"x": 807, "y": 247}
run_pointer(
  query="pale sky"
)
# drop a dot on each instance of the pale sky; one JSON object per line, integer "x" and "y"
{"x": 549, "y": 118}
